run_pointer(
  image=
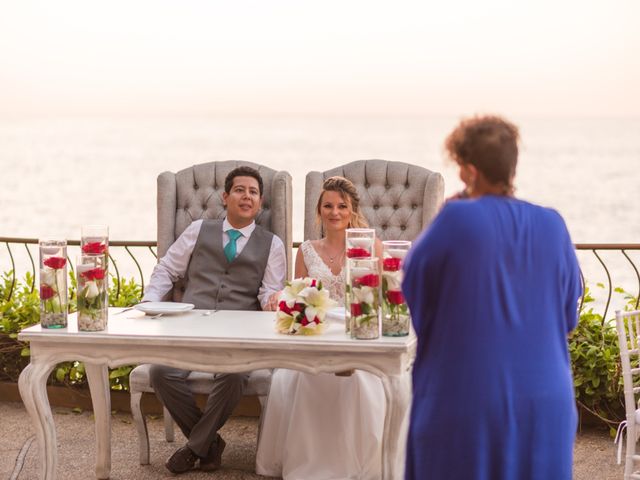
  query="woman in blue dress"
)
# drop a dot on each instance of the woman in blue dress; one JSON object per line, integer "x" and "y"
{"x": 493, "y": 286}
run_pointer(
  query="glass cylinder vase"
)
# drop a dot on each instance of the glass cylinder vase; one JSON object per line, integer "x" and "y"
{"x": 53, "y": 283}
{"x": 93, "y": 300}
{"x": 396, "y": 318}
{"x": 94, "y": 240}
{"x": 363, "y": 288}
{"x": 359, "y": 243}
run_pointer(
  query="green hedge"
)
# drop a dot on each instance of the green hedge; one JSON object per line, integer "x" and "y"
{"x": 22, "y": 310}
{"x": 593, "y": 345}
{"x": 595, "y": 359}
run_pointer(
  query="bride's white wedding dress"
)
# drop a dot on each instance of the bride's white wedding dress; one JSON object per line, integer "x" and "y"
{"x": 322, "y": 427}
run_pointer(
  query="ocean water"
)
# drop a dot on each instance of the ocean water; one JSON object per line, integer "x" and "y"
{"x": 59, "y": 173}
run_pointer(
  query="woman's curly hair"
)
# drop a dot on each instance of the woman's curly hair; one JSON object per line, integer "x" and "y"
{"x": 489, "y": 143}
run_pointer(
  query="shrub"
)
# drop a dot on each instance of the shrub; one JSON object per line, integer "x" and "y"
{"x": 22, "y": 309}
{"x": 595, "y": 359}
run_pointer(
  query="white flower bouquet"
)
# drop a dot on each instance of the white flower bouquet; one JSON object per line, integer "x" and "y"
{"x": 302, "y": 307}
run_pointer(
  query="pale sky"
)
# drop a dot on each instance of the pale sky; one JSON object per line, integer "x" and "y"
{"x": 139, "y": 57}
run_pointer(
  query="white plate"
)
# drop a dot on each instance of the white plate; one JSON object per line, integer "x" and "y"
{"x": 336, "y": 314}
{"x": 166, "y": 308}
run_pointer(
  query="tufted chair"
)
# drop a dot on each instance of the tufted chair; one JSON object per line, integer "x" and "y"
{"x": 398, "y": 199}
{"x": 196, "y": 192}
{"x": 188, "y": 195}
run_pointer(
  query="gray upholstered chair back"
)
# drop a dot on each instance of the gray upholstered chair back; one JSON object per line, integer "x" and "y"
{"x": 398, "y": 199}
{"x": 196, "y": 192}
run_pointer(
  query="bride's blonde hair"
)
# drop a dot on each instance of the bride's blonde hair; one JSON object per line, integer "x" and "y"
{"x": 349, "y": 194}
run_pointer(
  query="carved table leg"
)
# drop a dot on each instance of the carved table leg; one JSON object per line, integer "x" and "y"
{"x": 33, "y": 390}
{"x": 397, "y": 389}
{"x": 98, "y": 377}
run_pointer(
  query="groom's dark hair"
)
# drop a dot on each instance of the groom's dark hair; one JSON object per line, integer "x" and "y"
{"x": 242, "y": 172}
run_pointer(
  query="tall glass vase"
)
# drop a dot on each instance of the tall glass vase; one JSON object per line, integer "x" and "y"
{"x": 53, "y": 283}
{"x": 359, "y": 243}
{"x": 93, "y": 278}
{"x": 93, "y": 300}
{"x": 396, "y": 318}
{"x": 363, "y": 286}
{"x": 94, "y": 240}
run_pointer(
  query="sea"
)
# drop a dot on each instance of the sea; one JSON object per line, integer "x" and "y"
{"x": 58, "y": 173}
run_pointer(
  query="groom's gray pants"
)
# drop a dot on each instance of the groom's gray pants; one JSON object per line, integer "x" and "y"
{"x": 200, "y": 427}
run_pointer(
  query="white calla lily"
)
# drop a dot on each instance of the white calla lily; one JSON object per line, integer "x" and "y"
{"x": 284, "y": 322}
{"x": 319, "y": 299}
{"x": 291, "y": 293}
{"x": 316, "y": 300}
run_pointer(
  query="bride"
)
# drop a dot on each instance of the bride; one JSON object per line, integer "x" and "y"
{"x": 324, "y": 427}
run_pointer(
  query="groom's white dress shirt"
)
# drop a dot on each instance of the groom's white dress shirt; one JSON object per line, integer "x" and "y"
{"x": 174, "y": 264}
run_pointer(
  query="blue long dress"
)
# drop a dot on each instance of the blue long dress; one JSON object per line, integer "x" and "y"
{"x": 492, "y": 286}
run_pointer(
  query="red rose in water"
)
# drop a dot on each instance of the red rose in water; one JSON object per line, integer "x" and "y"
{"x": 370, "y": 280}
{"x": 96, "y": 248}
{"x": 357, "y": 252}
{"x": 395, "y": 297}
{"x": 93, "y": 274}
{"x": 46, "y": 292}
{"x": 356, "y": 310}
{"x": 55, "y": 262}
{"x": 391, "y": 264}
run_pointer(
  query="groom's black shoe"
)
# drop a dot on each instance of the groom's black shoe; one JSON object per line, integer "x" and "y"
{"x": 181, "y": 461}
{"x": 213, "y": 461}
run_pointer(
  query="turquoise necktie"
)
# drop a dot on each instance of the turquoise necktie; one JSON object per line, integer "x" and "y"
{"x": 230, "y": 249}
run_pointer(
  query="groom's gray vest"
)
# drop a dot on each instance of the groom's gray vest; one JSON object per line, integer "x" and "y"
{"x": 214, "y": 282}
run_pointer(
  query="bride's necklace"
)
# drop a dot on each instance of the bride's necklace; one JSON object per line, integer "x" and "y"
{"x": 336, "y": 255}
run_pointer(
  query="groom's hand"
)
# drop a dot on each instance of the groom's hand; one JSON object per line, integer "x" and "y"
{"x": 272, "y": 303}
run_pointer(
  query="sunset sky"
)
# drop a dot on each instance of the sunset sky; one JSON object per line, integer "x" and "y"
{"x": 146, "y": 57}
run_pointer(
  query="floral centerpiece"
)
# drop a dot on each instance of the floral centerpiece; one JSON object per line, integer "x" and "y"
{"x": 395, "y": 312}
{"x": 53, "y": 283}
{"x": 302, "y": 307}
{"x": 359, "y": 243}
{"x": 92, "y": 293}
{"x": 363, "y": 286}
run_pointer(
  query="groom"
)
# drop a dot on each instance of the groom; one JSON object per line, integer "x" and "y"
{"x": 230, "y": 264}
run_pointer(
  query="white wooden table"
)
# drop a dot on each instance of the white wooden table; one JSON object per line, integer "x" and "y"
{"x": 225, "y": 341}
